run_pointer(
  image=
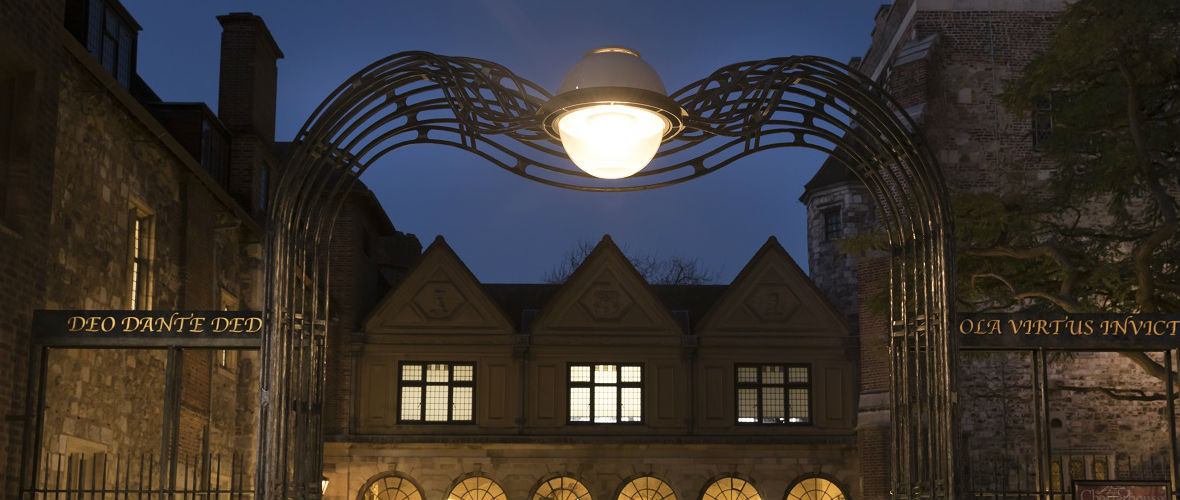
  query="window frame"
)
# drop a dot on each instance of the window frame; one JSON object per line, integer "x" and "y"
{"x": 787, "y": 385}
{"x": 1041, "y": 124}
{"x": 141, "y": 244}
{"x": 123, "y": 37}
{"x": 827, "y": 215}
{"x": 450, "y": 384}
{"x": 619, "y": 385}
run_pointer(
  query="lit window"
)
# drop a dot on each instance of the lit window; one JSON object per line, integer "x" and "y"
{"x": 833, "y": 228}
{"x": 561, "y": 488}
{"x": 646, "y": 488}
{"x": 773, "y": 394}
{"x": 142, "y": 228}
{"x": 731, "y": 488}
{"x": 605, "y": 393}
{"x": 392, "y": 488}
{"x": 437, "y": 392}
{"x": 477, "y": 488}
{"x": 815, "y": 488}
{"x": 1099, "y": 466}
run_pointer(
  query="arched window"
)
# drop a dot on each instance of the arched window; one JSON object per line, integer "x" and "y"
{"x": 477, "y": 488}
{"x": 562, "y": 488}
{"x": 815, "y": 488}
{"x": 646, "y": 488}
{"x": 731, "y": 488}
{"x": 392, "y": 487}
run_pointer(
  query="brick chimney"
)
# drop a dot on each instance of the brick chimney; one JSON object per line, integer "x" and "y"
{"x": 246, "y": 104}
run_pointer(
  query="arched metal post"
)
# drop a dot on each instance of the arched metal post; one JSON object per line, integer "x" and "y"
{"x": 482, "y": 107}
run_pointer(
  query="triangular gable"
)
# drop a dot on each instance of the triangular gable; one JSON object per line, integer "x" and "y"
{"x": 438, "y": 295}
{"x": 772, "y": 295}
{"x": 605, "y": 295}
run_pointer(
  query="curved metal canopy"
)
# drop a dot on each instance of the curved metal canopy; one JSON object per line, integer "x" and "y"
{"x": 483, "y": 108}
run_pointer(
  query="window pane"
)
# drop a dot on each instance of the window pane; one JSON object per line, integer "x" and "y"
{"x": 411, "y": 372}
{"x": 580, "y": 403}
{"x": 632, "y": 404}
{"x": 94, "y": 27}
{"x": 747, "y": 405}
{"x": 437, "y": 373}
{"x": 436, "y": 402}
{"x": 799, "y": 411}
{"x": 772, "y": 374}
{"x": 606, "y": 401}
{"x": 632, "y": 374}
{"x": 411, "y": 403}
{"x": 124, "y": 66}
{"x": 110, "y": 50}
{"x": 606, "y": 374}
{"x": 772, "y": 405}
{"x": 579, "y": 373}
{"x": 461, "y": 403}
{"x": 464, "y": 373}
{"x": 747, "y": 374}
{"x": 797, "y": 374}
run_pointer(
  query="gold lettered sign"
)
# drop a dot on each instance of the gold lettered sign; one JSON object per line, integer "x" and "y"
{"x": 148, "y": 328}
{"x": 1069, "y": 331}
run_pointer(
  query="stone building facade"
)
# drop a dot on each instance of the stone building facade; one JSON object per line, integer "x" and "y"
{"x": 116, "y": 200}
{"x": 598, "y": 387}
{"x": 946, "y": 62}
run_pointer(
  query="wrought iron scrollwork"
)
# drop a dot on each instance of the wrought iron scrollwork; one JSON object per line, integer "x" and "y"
{"x": 483, "y": 108}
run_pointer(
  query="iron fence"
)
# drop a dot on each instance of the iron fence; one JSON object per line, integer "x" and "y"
{"x": 106, "y": 476}
{"x": 1014, "y": 477}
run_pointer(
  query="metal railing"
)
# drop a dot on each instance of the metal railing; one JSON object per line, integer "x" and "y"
{"x": 68, "y": 476}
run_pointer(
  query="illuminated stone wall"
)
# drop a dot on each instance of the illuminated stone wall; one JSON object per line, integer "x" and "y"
{"x": 602, "y": 468}
{"x": 111, "y": 157}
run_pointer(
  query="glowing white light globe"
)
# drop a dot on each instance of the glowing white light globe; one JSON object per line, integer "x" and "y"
{"x": 611, "y": 141}
{"x": 606, "y": 131}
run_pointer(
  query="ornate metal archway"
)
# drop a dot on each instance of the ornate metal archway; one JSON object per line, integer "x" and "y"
{"x": 482, "y": 107}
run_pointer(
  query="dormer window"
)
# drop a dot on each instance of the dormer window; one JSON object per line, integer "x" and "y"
{"x": 108, "y": 32}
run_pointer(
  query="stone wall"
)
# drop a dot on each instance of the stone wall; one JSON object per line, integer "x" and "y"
{"x": 110, "y": 160}
{"x": 981, "y": 148}
{"x": 602, "y": 468}
{"x": 831, "y": 268}
{"x": 1128, "y": 435}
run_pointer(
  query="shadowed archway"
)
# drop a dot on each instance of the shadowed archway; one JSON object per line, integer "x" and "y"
{"x": 482, "y": 107}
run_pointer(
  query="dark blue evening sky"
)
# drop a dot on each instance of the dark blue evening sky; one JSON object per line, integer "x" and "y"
{"x": 505, "y": 228}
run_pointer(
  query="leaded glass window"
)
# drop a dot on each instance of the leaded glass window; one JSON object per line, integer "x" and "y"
{"x": 436, "y": 392}
{"x": 731, "y": 488}
{"x": 605, "y": 393}
{"x": 773, "y": 394}
{"x": 646, "y": 488}
{"x": 477, "y": 488}
{"x": 392, "y": 488}
{"x": 815, "y": 488}
{"x": 562, "y": 488}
